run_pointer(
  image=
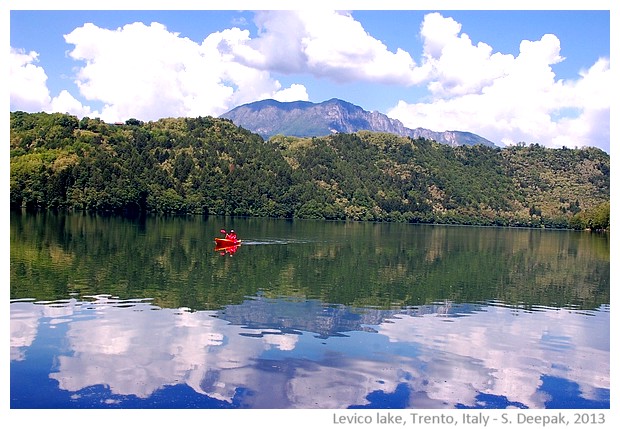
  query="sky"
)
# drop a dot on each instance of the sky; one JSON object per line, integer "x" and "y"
{"x": 536, "y": 76}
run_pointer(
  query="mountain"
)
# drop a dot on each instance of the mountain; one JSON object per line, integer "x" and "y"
{"x": 306, "y": 119}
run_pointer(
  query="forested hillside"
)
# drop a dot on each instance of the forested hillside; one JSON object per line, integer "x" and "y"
{"x": 209, "y": 166}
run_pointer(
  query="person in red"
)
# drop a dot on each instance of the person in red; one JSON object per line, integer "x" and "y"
{"x": 232, "y": 235}
{"x": 229, "y": 249}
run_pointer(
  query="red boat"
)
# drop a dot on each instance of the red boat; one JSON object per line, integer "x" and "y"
{"x": 227, "y": 246}
{"x": 226, "y": 242}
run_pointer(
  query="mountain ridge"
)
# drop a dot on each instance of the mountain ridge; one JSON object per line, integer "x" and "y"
{"x": 270, "y": 117}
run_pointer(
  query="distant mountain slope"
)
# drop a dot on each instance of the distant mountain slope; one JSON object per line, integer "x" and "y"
{"x": 306, "y": 119}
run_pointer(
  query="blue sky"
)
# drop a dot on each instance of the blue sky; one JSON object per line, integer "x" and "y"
{"x": 510, "y": 76}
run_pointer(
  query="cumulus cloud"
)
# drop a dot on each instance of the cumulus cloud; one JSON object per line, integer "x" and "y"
{"x": 325, "y": 44}
{"x": 293, "y": 93}
{"x": 452, "y": 63}
{"x": 148, "y": 72}
{"x": 28, "y": 81}
{"x": 67, "y": 103}
{"x": 507, "y": 99}
{"x": 29, "y": 90}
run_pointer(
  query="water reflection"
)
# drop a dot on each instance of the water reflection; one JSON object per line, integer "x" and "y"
{"x": 282, "y": 353}
{"x": 227, "y": 250}
{"x": 112, "y": 312}
{"x": 357, "y": 264}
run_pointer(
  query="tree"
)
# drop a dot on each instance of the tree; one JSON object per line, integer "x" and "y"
{"x": 208, "y": 165}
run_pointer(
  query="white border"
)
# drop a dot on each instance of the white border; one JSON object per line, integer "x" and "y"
{"x": 265, "y": 418}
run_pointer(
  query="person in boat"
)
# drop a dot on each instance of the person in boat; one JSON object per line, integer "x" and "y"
{"x": 232, "y": 235}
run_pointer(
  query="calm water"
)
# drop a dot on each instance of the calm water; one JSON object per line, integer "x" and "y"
{"x": 108, "y": 312}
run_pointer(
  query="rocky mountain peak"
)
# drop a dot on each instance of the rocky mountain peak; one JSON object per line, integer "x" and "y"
{"x": 307, "y": 119}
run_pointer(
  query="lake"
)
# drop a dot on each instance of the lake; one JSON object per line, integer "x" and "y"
{"x": 110, "y": 312}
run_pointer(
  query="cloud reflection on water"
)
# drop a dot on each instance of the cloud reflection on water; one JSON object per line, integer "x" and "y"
{"x": 338, "y": 358}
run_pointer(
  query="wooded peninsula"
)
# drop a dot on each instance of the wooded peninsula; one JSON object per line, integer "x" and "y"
{"x": 209, "y": 166}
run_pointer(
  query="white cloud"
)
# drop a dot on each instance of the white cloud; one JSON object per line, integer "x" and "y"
{"x": 28, "y": 82}
{"x": 293, "y": 93}
{"x": 454, "y": 66}
{"x": 66, "y": 103}
{"x": 148, "y": 72}
{"x": 326, "y": 44}
{"x": 504, "y": 98}
{"x": 29, "y": 90}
